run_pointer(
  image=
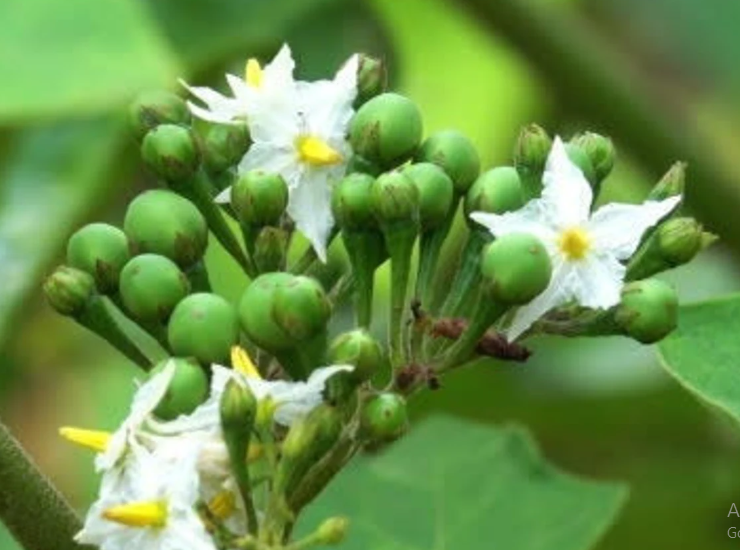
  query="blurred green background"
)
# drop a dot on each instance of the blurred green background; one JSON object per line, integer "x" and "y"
{"x": 661, "y": 77}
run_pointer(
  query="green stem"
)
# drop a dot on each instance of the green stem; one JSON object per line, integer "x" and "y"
{"x": 485, "y": 315}
{"x": 430, "y": 248}
{"x": 153, "y": 328}
{"x": 467, "y": 279}
{"x": 197, "y": 274}
{"x": 366, "y": 251}
{"x": 34, "y": 511}
{"x": 399, "y": 241}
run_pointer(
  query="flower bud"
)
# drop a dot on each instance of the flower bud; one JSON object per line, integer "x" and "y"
{"x": 332, "y": 531}
{"x": 153, "y": 108}
{"x": 359, "y": 349}
{"x": 496, "y": 191}
{"x": 394, "y": 198}
{"x": 188, "y": 389}
{"x": 455, "y": 154}
{"x": 384, "y": 417}
{"x": 648, "y": 310}
{"x": 351, "y": 203}
{"x": 578, "y": 156}
{"x": 238, "y": 410}
{"x": 171, "y": 152}
{"x": 372, "y": 79}
{"x": 162, "y": 222}
{"x": 301, "y": 308}
{"x": 224, "y": 145}
{"x": 671, "y": 184}
{"x": 600, "y": 151}
{"x": 68, "y": 290}
{"x": 151, "y": 286}
{"x": 204, "y": 326}
{"x": 530, "y": 157}
{"x": 517, "y": 267}
{"x": 436, "y": 193}
{"x": 270, "y": 249}
{"x": 100, "y": 250}
{"x": 680, "y": 240}
{"x": 259, "y": 198}
{"x": 255, "y": 312}
{"x": 386, "y": 130}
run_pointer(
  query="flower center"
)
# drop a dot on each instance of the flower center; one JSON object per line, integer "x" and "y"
{"x": 253, "y": 73}
{"x": 92, "y": 439}
{"x": 316, "y": 152}
{"x": 574, "y": 243}
{"x": 139, "y": 514}
{"x": 223, "y": 504}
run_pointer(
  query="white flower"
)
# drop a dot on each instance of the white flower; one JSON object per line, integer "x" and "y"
{"x": 586, "y": 250}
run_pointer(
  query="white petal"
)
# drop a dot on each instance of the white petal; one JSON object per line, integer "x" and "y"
{"x": 618, "y": 227}
{"x": 566, "y": 191}
{"x": 327, "y": 104}
{"x": 278, "y": 74}
{"x": 533, "y": 219}
{"x": 241, "y": 90}
{"x": 600, "y": 281}
{"x": 309, "y": 206}
{"x": 219, "y": 108}
{"x": 151, "y": 392}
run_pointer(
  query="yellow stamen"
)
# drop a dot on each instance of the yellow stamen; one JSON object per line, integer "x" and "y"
{"x": 91, "y": 439}
{"x": 316, "y": 152}
{"x": 241, "y": 362}
{"x": 223, "y": 504}
{"x": 138, "y": 514}
{"x": 574, "y": 243}
{"x": 253, "y": 73}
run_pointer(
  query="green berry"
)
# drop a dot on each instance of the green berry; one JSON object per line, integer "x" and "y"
{"x": 359, "y": 349}
{"x": 301, "y": 308}
{"x": 394, "y": 197}
{"x": 153, "y": 108}
{"x": 255, "y": 312}
{"x": 578, "y": 156}
{"x": 100, "y": 250}
{"x": 68, "y": 290}
{"x": 259, "y": 198}
{"x": 455, "y": 154}
{"x": 517, "y": 268}
{"x": 151, "y": 286}
{"x": 188, "y": 389}
{"x": 372, "y": 79}
{"x": 600, "y": 151}
{"x": 386, "y": 130}
{"x": 496, "y": 191}
{"x": 171, "y": 152}
{"x": 332, "y": 531}
{"x": 163, "y": 222}
{"x": 648, "y": 311}
{"x": 436, "y": 193}
{"x": 351, "y": 202}
{"x": 204, "y": 326}
{"x": 224, "y": 145}
{"x": 384, "y": 418}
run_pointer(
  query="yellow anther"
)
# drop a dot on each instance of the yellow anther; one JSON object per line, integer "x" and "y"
{"x": 316, "y": 152}
{"x": 574, "y": 243}
{"x": 223, "y": 504}
{"x": 138, "y": 514}
{"x": 241, "y": 362}
{"x": 91, "y": 439}
{"x": 253, "y": 73}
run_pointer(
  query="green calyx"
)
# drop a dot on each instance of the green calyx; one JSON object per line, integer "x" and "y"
{"x": 455, "y": 154}
{"x": 436, "y": 193}
{"x": 259, "y": 198}
{"x": 332, "y": 531}
{"x": 372, "y": 78}
{"x": 301, "y": 308}
{"x": 203, "y": 326}
{"x": 351, "y": 202}
{"x": 69, "y": 289}
{"x": 188, "y": 388}
{"x": 671, "y": 184}
{"x": 386, "y": 130}
{"x": 151, "y": 286}
{"x": 359, "y": 349}
{"x": 394, "y": 198}
{"x": 100, "y": 250}
{"x": 600, "y": 151}
{"x": 384, "y": 418}
{"x": 238, "y": 410}
{"x": 580, "y": 158}
{"x": 224, "y": 145}
{"x": 648, "y": 311}
{"x": 154, "y": 108}
{"x": 496, "y": 191}
{"x": 162, "y": 222}
{"x": 171, "y": 152}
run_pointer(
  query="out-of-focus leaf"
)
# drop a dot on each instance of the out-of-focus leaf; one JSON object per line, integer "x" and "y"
{"x": 702, "y": 354}
{"x": 74, "y": 56}
{"x": 467, "y": 486}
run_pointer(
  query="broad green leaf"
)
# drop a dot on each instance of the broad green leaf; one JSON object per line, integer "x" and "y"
{"x": 702, "y": 354}
{"x": 73, "y": 56}
{"x": 451, "y": 484}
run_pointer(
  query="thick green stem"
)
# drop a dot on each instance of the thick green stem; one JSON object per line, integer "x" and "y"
{"x": 399, "y": 241}
{"x": 461, "y": 352}
{"x": 34, "y": 511}
{"x": 467, "y": 279}
{"x": 366, "y": 252}
{"x": 430, "y": 248}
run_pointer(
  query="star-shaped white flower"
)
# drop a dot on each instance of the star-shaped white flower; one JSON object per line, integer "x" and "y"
{"x": 587, "y": 250}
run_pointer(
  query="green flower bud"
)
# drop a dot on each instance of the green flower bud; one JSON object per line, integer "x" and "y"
{"x": 171, "y": 152}
{"x": 332, "y": 531}
{"x": 351, "y": 202}
{"x": 100, "y": 250}
{"x": 238, "y": 410}
{"x": 648, "y": 310}
{"x": 188, "y": 389}
{"x": 384, "y": 418}
{"x": 255, "y": 312}
{"x": 301, "y": 308}
{"x": 579, "y": 157}
{"x": 517, "y": 267}
{"x": 357, "y": 164}
{"x": 204, "y": 326}
{"x": 532, "y": 150}
{"x": 372, "y": 79}
{"x": 394, "y": 197}
{"x": 153, "y": 108}
{"x": 68, "y": 290}
{"x": 162, "y": 222}
{"x": 259, "y": 198}
{"x": 436, "y": 193}
{"x": 600, "y": 150}
{"x": 386, "y": 130}
{"x": 680, "y": 240}
{"x": 270, "y": 248}
{"x": 671, "y": 184}
{"x": 496, "y": 191}
{"x": 455, "y": 154}
{"x": 151, "y": 286}
{"x": 359, "y": 349}
{"x": 224, "y": 145}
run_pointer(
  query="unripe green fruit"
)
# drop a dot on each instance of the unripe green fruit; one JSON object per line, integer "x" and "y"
{"x": 301, "y": 308}
{"x": 188, "y": 389}
{"x": 436, "y": 193}
{"x": 455, "y": 154}
{"x": 394, "y": 197}
{"x": 224, "y": 145}
{"x": 351, "y": 203}
{"x": 600, "y": 151}
{"x": 151, "y": 286}
{"x": 680, "y": 239}
{"x": 153, "y": 108}
{"x": 648, "y": 311}
{"x": 163, "y": 222}
{"x": 359, "y": 349}
{"x": 332, "y": 531}
{"x": 532, "y": 149}
{"x": 386, "y": 130}
{"x": 255, "y": 312}
{"x": 384, "y": 418}
{"x": 259, "y": 198}
{"x": 579, "y": 157}
{"x": 68, "y": 290}
{"x": 372, "y": 78}
{"x": 100, "y": 250}
{"x": 204, "y": 326}
{"x": 517, "y": 267}
{"x": 496, "y": 191}
{"x": 171, "y": 152}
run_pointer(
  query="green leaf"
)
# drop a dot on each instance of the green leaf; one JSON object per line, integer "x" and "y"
{"x": 74, "y": 56}
{"x": 452, "y": 484}
{"x": 702, "y": 353}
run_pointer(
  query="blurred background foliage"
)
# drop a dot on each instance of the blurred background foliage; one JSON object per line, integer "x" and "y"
{"x": 661, "y": 77}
